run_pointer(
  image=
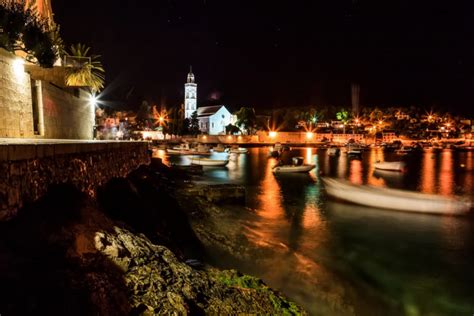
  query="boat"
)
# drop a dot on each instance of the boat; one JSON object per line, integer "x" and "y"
{"x": 334, "y": 151}
{"x": 209, "y": 162}
{"x": 293, "y": 168}
{"x": 238, "y": 150}
{"x": 404, "y": 151}
{"x": 201, "y": 149}
{"x": 298, "y": 166}
{"x": 220, "y": 148}
{"x": 275, "y": 150}
{"x": 390, "y": 165}
{"x": 182, "y": 149}
{"x": 395, "y": 199}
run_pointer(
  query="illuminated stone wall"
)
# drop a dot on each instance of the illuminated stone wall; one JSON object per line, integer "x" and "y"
{"x": 16, "y": 117}
{"x": 28, "y": 170}
{"x": 67, "y": 116}
{"x": 63, "y": 113}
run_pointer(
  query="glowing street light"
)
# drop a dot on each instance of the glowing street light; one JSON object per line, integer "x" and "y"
{"x": 273, "y": 134}
{"x": 309, "y": 135}
{"x": 93, "y": 100}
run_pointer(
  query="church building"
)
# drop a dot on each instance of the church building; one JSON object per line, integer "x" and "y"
{"x": 212, "y": 119}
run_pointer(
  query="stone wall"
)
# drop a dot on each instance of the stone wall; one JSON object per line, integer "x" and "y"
{"x": 27, "y": 170}
{"x": 66, "y": 116}
{"x": 16, "y": 117}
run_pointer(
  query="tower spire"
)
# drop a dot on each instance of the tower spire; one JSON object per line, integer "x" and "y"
{"x": 190, "y": 75}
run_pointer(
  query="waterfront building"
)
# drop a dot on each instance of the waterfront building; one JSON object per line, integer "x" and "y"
{"x": 214, "y": 119}
{"x": 190, "y": 95}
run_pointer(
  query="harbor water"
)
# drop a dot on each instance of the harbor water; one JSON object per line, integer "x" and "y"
{"x": 335, "y": 258}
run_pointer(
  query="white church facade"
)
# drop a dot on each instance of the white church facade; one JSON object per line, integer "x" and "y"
{"x": 212, "y": 119}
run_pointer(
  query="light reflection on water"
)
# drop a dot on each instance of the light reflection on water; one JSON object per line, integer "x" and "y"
{"x": 342, "y": 259}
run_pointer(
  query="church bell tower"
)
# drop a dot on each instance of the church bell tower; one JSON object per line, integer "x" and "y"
{"x": 190, "y": 95}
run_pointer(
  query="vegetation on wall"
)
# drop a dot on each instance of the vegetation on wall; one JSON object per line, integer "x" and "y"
{"x": 22, "y": 29}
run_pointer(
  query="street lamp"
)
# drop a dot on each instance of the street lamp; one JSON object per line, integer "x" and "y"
{"x": 93, "y": 100}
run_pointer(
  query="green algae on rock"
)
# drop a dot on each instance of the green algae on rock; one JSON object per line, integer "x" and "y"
{"x": 158, "y": 283}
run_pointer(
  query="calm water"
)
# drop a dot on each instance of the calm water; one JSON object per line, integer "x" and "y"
{"x": 341, "y": 259}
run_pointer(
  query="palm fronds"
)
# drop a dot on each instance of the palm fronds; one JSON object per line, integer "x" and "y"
{"x": 88, "y": 71}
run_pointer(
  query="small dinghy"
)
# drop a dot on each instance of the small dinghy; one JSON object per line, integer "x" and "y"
{"x": 220, "y": 148}
{"x": 390, "y": 165}
{"x": 334, "y": 151}
{"x": 293, "y": 168}
{"x": 238, "y": 150}
{"x": 296, "y": 167}
{"x": 394, "y": 199}
{"x": 209, "y": 162}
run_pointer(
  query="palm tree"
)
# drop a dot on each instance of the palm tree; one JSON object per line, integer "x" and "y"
{"x": 343, "y": 116}
{"x": 88, "y": 71}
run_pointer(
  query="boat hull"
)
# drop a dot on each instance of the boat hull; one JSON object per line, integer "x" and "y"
{"x": 393, "y": 199}
{"x": 209, "y": 162}
{"x": 293, "y": 169}
{"x": 390, "y": 166}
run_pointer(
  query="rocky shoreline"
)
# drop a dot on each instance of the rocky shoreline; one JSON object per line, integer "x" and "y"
{"x": 134, "y": 250}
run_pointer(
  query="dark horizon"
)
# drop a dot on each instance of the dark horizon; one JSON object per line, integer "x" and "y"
{"x": 269, "y": 56}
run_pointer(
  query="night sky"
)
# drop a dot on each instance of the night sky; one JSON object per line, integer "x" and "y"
{"x": 269, "y": 54}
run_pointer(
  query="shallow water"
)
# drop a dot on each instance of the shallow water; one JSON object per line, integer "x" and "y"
{"x": 340, "y": 259}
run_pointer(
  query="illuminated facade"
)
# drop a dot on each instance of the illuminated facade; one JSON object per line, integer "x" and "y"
{"x": 42, "y": 6}
{"x": 190, "y": 96}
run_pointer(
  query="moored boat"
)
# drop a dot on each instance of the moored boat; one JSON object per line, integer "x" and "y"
{"x": 334, "y": 151}
{"x": 395, "y": 199}
{"x": 220, "y": 148}
{"x": 293, "y": 168}
{"x": 238, "y": 150}
{"x": 209, "y": 162}
{"x": 390, "y": 165}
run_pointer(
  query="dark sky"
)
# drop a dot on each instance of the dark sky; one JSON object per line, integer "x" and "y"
{"x": 281, "y": 53}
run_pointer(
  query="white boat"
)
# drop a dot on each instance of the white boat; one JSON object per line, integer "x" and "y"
{"x": 238, "y": 150}
{"x": 220, "y": 148}
{"x": 182, "y": 149}
{"x": 390, "y": 165}
{"x": 334, "y": 151}
{"x": 173, "y": 151}
{"x": 293, "y": 168}
{"x": 209, "y": 162}
{"x": 394, "y": 199}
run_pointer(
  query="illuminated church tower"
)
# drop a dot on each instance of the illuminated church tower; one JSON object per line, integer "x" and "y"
{"x": 190, "y": 95}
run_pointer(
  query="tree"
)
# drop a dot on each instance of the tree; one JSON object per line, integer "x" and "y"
{"x": 22, "y": 29}
{"x": 145, "y": 116}
{"x": 232, "y": 129}
{"x": 343, "y": 116}
{"x": 184, "y": 130}
{"x": 88, "y": 71}
{"x": 246, "y": 120}
{"x": 194, "y": 124}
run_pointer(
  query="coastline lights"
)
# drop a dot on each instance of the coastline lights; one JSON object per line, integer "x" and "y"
{"x": 273, "y": 134}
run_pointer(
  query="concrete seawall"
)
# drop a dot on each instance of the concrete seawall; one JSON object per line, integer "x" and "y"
{"x": 28, "y": 168}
